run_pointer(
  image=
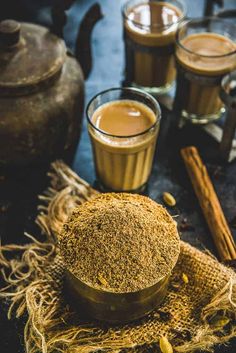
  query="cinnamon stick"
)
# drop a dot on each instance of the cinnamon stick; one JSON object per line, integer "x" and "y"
{"x": 209, "y": 203}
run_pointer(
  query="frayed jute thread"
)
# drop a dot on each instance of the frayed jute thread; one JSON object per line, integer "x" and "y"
{"x": 34, "y": 286}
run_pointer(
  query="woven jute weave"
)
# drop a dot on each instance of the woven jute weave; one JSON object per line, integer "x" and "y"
{"x": 198, "y": 312}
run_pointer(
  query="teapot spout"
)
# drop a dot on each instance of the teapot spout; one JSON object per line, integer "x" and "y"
{"x": 83, "y": 50}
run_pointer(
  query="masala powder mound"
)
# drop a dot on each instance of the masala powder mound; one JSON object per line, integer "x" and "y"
{"x": 120, "y": 242}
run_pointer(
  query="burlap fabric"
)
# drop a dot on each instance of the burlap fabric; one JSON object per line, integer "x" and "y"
{"x": 195, "y": 315}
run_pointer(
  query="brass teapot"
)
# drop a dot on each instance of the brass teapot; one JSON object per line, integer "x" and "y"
{"x": 42, "y": 89}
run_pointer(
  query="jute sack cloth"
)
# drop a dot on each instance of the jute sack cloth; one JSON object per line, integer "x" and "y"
{"x": 198, "y": 312}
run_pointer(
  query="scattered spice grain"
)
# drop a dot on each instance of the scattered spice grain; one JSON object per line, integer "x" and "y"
{"x": 120, "y": 242}
{"x": 175, "y": 287}
{"x": 185, "y": 226}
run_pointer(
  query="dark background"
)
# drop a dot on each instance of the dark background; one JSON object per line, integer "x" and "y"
{"x": 18, "y": 203}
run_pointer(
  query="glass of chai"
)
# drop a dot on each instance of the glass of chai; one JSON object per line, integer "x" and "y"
{"x": 149, "y": 35}
{"x": 205, "y": 53}
{"x": 123, "y": 125}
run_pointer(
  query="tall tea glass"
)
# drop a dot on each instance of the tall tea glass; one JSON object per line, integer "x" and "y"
{"x": 123, "y": 163}
{"x": 149, "y": 35}
{"x": 205, "y": 53}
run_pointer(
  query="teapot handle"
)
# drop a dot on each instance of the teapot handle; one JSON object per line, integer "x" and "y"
{"x": 83, "y": 50}
{"x": 59, "y": 17}
{"x": 83, "y": 40}
{"x": 209, "y": 6}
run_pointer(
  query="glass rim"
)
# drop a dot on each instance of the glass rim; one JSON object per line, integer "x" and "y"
{"x": 140, "y": 25}
{"x": 126, "y": 89}
{"x": 198, "y": 20}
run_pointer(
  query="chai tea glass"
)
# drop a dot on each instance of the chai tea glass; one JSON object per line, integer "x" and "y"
{"x": 123, "y": 163}
{"x": 205, "y": 53}
{"x": 149, "y": 36}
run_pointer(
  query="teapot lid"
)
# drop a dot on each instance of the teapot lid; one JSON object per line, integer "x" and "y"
{"x": 29, "y": 55}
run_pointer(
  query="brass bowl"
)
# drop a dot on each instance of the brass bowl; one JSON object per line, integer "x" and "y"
{"x": 114, "y": 307}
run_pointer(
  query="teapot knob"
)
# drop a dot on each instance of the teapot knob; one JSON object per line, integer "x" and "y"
{"x": 9, "y": 33}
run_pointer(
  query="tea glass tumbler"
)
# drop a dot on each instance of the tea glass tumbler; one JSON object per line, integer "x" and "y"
{"x": 149, "y": 37}
{"x": 123, "y": 163}
{"x": 205, "y": 53}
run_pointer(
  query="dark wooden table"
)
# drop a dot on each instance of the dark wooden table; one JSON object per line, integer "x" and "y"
{"x": 18, "y": 200}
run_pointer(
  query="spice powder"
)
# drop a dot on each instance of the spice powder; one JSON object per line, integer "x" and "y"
{"x": 120, "y": 242}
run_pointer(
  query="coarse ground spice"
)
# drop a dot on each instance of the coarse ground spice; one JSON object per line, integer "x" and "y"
{"x": 120, "y": 242}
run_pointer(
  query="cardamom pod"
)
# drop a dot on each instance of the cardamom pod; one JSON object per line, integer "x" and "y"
{"x": 169, "y": 199}
{"x": 220, "y": 321}
{"x": 185, "y": 278}
{"x": 165, "y": 345}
